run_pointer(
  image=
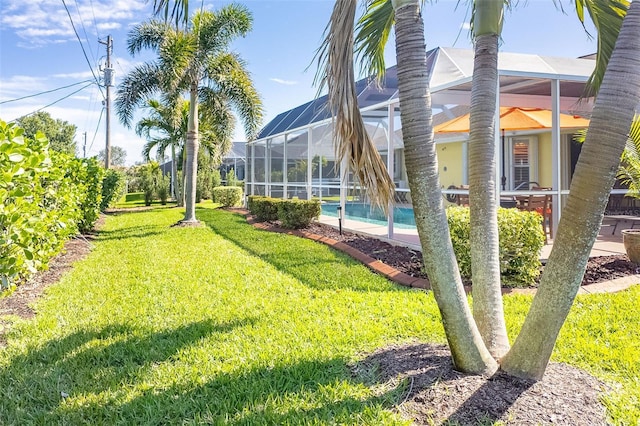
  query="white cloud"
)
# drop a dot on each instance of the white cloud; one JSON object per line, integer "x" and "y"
{"x": 107, "y": 26}
{"x": 465, "y": 26}
{"x": 83, "y": 75}
{"x": 284, "y": 82}
{"x": 46, "y": 21}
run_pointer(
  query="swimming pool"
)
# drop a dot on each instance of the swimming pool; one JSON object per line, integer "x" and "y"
{"x": 402, "y": 216}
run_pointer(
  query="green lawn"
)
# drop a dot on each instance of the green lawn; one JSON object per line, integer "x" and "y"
{"x": 229, "y": 324}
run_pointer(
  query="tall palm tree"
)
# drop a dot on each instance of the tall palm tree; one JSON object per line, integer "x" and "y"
{"x": 162, "y": 129}
{"x": 617, "y": 99}
{"x": 336, "y": 67}
{"x": 468, "y": 349}
{"x": 196, "y": 60}
{"x": 488, "y": 312}
{"x": 167, "y": 124}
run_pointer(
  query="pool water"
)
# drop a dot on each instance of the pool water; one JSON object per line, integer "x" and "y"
{"x": 402, "y": 216}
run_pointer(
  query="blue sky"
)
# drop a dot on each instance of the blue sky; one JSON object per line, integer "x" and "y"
{"x": 39, "y": 52}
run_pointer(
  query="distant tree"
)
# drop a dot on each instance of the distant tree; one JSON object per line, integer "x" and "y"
{"x": 60, "y": 133}
{"x": 118, "y": 156}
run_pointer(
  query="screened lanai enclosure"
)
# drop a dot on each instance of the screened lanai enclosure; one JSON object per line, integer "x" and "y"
{"x": 294, "y": 156}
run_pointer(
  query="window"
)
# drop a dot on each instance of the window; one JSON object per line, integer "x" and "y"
{"x": 523, "y": 162}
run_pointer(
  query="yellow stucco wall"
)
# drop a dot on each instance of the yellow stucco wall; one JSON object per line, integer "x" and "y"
{"x": 545, "y": 162}
{"x": 450, "y": 163}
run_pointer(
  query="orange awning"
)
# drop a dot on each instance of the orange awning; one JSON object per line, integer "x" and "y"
{"x": 514, "y": 118}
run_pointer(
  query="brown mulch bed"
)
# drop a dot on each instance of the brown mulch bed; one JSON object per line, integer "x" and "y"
{"x": 437, "y": 394}
{"x": 409, "y": 261}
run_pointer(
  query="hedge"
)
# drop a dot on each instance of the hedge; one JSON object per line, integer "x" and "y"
{"x": 228, "y": 196}
{"x": 295, "y": 214}
{"x": 44, "y": 199}
{"x": 291, "y": 213}
{"x": 265, "y": 209}
{"x": 521, "y": 240}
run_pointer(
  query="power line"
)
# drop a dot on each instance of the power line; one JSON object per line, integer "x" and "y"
{"x": 45, "y": 92}
{"x": 84, "y": 30}
{"x": 54, "y": 102}
{"x": 95, "y": 24}
{"x": 82, "y": 46}
{"x": 97, "y": 128}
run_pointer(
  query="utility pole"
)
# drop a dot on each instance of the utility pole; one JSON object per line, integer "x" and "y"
{"x": 108, "y": 82}
{"x": 84, "y": 146}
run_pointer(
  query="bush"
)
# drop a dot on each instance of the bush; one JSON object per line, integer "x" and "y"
{"x": 264, "y": 208}
{"x": 44, "y": 199}
{"x": 521, "y": 240}
{"x": 163, "y": 189}
{"x": 295, "y": 214}
{"x": 228, "y": 196}
{"x": 216, "y": 179}
{"x": 89, "y": 180}
{"x": 113, "y": 186}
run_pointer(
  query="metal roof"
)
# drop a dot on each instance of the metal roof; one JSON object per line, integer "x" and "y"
{"x": 524, "y": 81}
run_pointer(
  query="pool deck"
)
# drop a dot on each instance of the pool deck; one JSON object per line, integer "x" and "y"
{"x": 605, "y": 244}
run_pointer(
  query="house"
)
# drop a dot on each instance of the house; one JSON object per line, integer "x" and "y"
{"x": 235, "y": 159}
{"x": 293, "y": 155}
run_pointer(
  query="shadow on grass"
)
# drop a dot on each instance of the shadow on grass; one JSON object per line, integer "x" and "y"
{"x": 305, "y": 392}
{"x": 315, "y": 265}
{"x": 140, "y": 231}
{"x": 34, "y": 385}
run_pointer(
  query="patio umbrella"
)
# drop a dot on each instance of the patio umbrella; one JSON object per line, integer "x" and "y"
{"x": 516, "y": 118}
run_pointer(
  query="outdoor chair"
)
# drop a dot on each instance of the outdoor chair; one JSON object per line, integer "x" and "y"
{"x": 463, "y": 199}
{"x": 540, "y": 204}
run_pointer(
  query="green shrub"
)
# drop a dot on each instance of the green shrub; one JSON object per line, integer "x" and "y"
{"x": 216, "y": 179}
{"x": 91, "y": 176}
{"x": 297, "y": 214}
{"x": 521, "y": 240}
{"x": 113, "y": 186}
{"x": 228, "y": 196}
{"x": 264, "y": 208}
{"x": 163, "y": 189}
{"x": 44, "y": 199}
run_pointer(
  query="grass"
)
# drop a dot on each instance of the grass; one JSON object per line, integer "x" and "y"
{"x": 229, "y": 324}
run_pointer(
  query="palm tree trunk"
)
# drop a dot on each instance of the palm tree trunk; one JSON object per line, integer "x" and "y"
{"x": 467, "y": 348}
{"x": 594, "y": 176}
{"x": 174, "y": 173}
{"x": 488, "y": 310}
{"x": 192, "y": 157}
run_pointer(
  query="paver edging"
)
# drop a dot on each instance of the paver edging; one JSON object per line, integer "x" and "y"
{"x": 400, "y": 278}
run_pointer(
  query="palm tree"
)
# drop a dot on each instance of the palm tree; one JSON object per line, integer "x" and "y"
{"x": 488, "y": 311}
{"x": 336, "y": 65}
{"x": 197, "y": 61}
{"x": 162, "y": 129}
{"x": 167, "y": 124}
{"x": 617, "y": 99}
{"x": 629, "y": 172}
{"x": 468, "y": 350}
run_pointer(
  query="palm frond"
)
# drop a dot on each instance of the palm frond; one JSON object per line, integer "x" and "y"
{"x": 607, "y": 16}
{"x": 229, "y": 73}
{"x": 178, "y": 59}
{"x": 218, "y": 30}
{"x": 179, "y": 12}
{"x": 139, "y": 84}
{"x": 372, "y": 34}
{"x": 147, "y": 35}
{"x": 351, "y": 140}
